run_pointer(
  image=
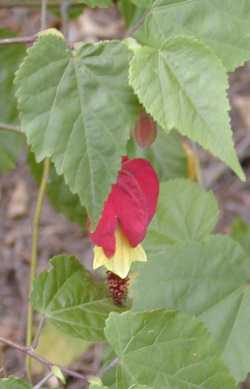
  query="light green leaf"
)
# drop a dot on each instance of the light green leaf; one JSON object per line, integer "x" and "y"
{"x": 130, "y": 12}
{"x": 10, "y": 143}
{"x": 222, "y": 25}
{"x": 65, "y": 350}
{"x": 185, "y": 212}
{"x": 97, "y": 3}
{"x": 96, "y": 383}
{"x": 165, "y": 350}
{"x": 143, "y": 3}
{"x": 183, "y": 85}
{"x": 208, "y": 279}
{"x": 77, "y": 109}
{"x": 14, "y": 383}
{"x": 59, "y": 194}
{"x": 58, "y": 374}
{"x": 241, "y": 233}
{"x": 166, "y": 155}
{"x": 71, "y": 300}
{"x": 10, "y": 147}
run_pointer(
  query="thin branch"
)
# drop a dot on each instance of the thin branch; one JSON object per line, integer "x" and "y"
{"x": 36, "y": 228}
{"x": 44, "y": 4}
{"x": 36, "y": 3}
{"x": 43, "y": 381}
{"x": 33, "y": 264}
{"x": 64, "y": 9}
{"x": 11, "y": 128}
{"x": 21, "y": 39}
{"x": 112, "y": 364}
{"x": 43, "y": 361}
{"x": 136, "y": 27}
{"x": 38, "y": 333}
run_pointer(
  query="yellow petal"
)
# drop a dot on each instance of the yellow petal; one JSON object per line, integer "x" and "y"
{"x": 123, "y": 258}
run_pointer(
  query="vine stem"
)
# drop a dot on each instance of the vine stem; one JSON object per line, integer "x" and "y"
{"x": 33, "y": 264}
{"x": 43, "y": 361}
{"x": 20, "y": 39}
{"x": 11, "y": 128}
{"x": 35, "y": 3}
{"x": 36, "y": 228}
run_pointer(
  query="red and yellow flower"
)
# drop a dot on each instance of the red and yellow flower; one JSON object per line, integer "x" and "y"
{"x": 126, "y": 215}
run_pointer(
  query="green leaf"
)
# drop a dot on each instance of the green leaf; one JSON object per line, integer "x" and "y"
{"x": 143, "y": 3}
{"x": 222, "y": 25}
{"x": 185, "y": 212}
{"x": 97, "y": 3}
{"x": 65, "y": 350}
{"x": 208, "y": 279}
{"x": 71, "y": 300}
{"x": 96, "y": 383}
{"x": 10, "y": 143}
{"x": 241, "y": 233}
{"x": 59, "y": 194}
{"x": 77, "y": 109}
{"x": 166, "y": 155}
{"x": 130, "y": 12}
{"x": 165, "y": 350}
{"x": 188, "y": 86}
{"x": 14, "y": 383}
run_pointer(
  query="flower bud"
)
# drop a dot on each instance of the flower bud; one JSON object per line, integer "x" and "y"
{"x": 145, "y": 131}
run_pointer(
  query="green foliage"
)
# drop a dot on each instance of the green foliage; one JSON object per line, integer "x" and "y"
{"x": 188, "y": 86}
{"x": 10, "y": 143}
{"x": 130, "y": 12}
{"x": 222, "y": 25}
{"x": 78, "y": 109}
{"x": 59, "y": 194}
{"x": 97, "y": 3}
{"x": 14, "y": 383}
{"x": 69, "y": 298}
{"x": 241, "y": 233}
{"x": 143, "y": 3}
{"x": 165, "y": 350}
{"x": 185, "y": 212}
{"x": 166, "y": 154}
{"x": 206, "y": 276}
{"x": 65, "y": 350}
{"x": 10, "y": 147}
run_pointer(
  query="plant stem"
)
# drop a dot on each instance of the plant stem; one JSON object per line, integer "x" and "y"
{"x": 31, "y": 353}
{"x": 11, "y": 128}
{"x": 20, "y": 39}
{"x": 43, "y": 381}
{"x": 35, "y": 3}
{"x": 33, "y": 264}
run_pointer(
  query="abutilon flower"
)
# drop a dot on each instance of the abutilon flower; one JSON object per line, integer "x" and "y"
{"x": 126, "y": 215}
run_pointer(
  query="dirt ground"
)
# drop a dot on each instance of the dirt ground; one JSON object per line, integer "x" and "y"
{"x": 18, "y": 192}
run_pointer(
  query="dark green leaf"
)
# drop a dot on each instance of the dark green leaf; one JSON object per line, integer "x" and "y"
{"x": 10, "y": 143}
{"x": 14, "y": 383}
{"x": 185, "y": 212}
{"x": 241, "y": 233}
{"x": 165, "y": 350}
{"x": 208, "y": 279}
{"x": 178, "y": 73}
{"x": 71, "y": 300}
{"x": 59, "y": 194}
{"x": 166, "y": 155}
{"x": 222, "y": 25}
{"x": 77, "y": 109}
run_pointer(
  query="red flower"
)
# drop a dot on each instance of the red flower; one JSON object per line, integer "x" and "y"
{"x": 130, "y": 206}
